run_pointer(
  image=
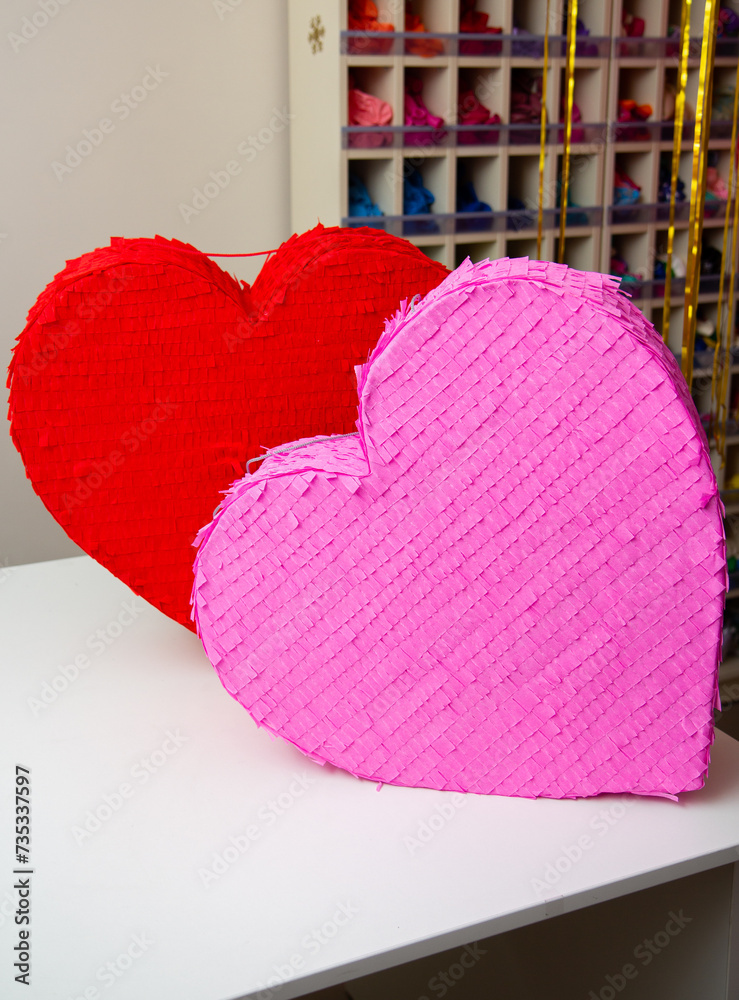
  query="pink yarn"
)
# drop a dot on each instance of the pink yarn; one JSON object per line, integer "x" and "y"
{"x": 416, "y": 113}
{"x": 366, "y": 109}
{"x": 511, "y": 580}
{"x": 471, "y": 111}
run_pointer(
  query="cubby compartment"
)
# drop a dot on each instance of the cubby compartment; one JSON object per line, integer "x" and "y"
{"x": 674, "y": 14}
{"x": 584, "y": 202}
{"x": 679, "y": 264}
{"x": 479, "y": 86}
{"x": 731, "y": 471}
{"x": 484, "y": 250}
{"x": 595, "y": 16}
{"x": 701, "y": 395}
{"x": 521, "y": 246}
{"x": 640, "y": 85}
{"x": 434, "y": 87}
{"x": 675, "y": 335}
{"x": 586, "y": 178}
{"x": 379, "y": 81}
{"x": 435, "y": 173}
{"x": 499, "y": 13}
{"x": 669, "y": 95}
{"x": 377, "y": 177}
{"x": 712, "y": 262}
{"x": 523, "y": 193}
{"x": 724, "y": 78}
{"x": 707, "y": 314}
{"x": 718, "y": 175}
{"x": 427, "y": 106}
{"x": 651, "y": 12}
{"x": 366, "y": 117}
{"x": 580, "y": 252}
{"x": 632, "y": 204}
{"x": 477, "y": 177}
{"x": 425, "y": 193}
{"x": 589, "y": 96}
{"x": 368, "y": 43}
{"x": 530, "y": 16}
{"x": 682, "y": 198}
{"x": 488, "y": 18}
{"x": 436, "y": 251}
{"x": 704, "y": 357}
{"x": 633, "y": 250}
{"x": 525, "y": 106}
{"x": 436, "y": 15}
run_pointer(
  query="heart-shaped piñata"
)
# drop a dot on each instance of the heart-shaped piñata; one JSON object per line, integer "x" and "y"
{"x": 511, "y": 580}
{"x": 147, "y": 377}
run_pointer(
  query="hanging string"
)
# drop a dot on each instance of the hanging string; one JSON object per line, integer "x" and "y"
{"x": 543, "y": 139}
{"x": 201, "y": 253}
{"x": 570, "y": 94}
{"x": 698, "y": 187}
{"x": 682, "y": 80}
{"x": 292, "y": 447}
{"x": 257, "y": 253}
{"x": 719, "y": 385}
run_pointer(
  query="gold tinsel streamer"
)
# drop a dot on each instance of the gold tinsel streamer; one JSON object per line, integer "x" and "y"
{"x": 720, "y": 387}
{"x": 543, "y": 138}
{"x": 564, "y": 189}
{"x": 682, "y": 80}
{"x": 698, "y": 187}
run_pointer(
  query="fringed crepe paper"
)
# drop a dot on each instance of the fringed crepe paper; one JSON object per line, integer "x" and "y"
{"x": 147, "y": 377}
{"x": 511, "y": 579}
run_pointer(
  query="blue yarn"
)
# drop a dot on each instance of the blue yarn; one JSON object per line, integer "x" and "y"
{"x": 360, "y": 202}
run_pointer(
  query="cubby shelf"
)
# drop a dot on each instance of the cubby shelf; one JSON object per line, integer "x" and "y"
{"x": 501, "y": 160}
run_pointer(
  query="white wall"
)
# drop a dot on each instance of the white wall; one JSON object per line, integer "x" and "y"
{"x": 226, "y": 66}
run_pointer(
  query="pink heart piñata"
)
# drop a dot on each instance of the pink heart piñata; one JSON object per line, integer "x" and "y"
{"x": 511, "y": 580}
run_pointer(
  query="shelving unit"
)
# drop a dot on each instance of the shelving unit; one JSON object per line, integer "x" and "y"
{"x": 502, "y": 160}
{"x": 325, "y": 150}
{"x": 643, "y": 69}
{"x": 608, "y": 67}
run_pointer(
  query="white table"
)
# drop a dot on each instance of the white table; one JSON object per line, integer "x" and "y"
{"x": 328, "y": 872}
